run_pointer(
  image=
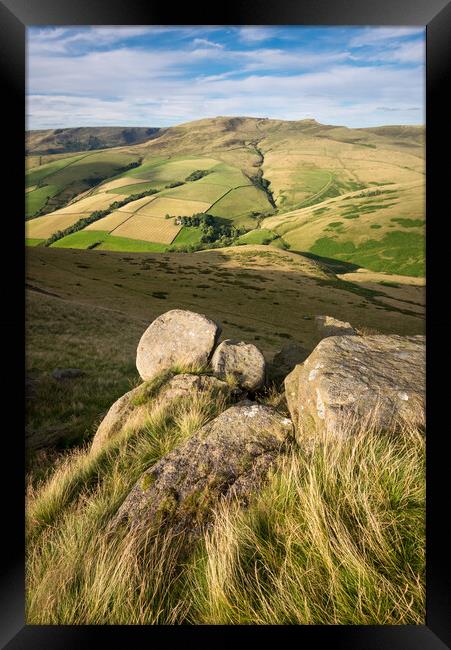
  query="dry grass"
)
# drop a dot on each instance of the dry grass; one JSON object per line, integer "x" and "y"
{"x": 336, "y": 537}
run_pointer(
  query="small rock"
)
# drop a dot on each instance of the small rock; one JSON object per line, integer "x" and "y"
{"x": 350, "y": 380}
{"x": 67, "y": 373}
{"x": 329, "y": 326}
{"x": 228, "y": 457}
{"x": 242, "y": 360}
{"x": 177, "y": 337}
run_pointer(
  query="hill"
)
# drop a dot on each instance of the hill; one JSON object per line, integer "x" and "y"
{"x": 86, "y": 309}
{"x": 360, "y": 192}
{"x": 85, "y": 138}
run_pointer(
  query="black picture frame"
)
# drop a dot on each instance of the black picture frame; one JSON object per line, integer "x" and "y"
{"x": 15, "y": 16}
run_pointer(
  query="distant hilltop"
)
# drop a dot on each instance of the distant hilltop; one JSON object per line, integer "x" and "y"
{"x": 66, "y": 140}
{"x": 85, "y": 138}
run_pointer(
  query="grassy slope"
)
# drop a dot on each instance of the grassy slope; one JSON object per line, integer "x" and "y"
{"x": 307, "y": 164}
{"x": 335, "y": 538}
{"x": 52, "y": 141}
{"x": 87, "y": 309}
{"x": 68, "y": 177}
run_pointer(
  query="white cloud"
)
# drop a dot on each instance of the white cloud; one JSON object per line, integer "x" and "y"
{"x": 342, "y": 95}
{"x": 72, "y": 82}
{"x": 207, "y": 43}
{"x": 377, "y": 35}
{"x": 255, "y": 34}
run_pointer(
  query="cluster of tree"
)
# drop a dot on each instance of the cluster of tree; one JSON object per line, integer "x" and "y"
{"x": 95, "y": 216}
{"x": 213, "y": 229}
{"x": 174, "y": 184}
{"x": 195, "y": 175}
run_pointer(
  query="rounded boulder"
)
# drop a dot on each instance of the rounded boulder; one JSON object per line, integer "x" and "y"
{"x": 243, "y": 361}
{"x": 177, "y": 337}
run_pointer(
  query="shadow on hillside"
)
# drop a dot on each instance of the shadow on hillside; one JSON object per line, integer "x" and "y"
{"x": 330, "y": 264}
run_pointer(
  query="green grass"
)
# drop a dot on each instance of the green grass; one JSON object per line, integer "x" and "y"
{"x": 397, "y": 252}
{"x": 136, "y": 188}
{"x": 336, "y": 537}
{"x": 81, "y": 239}
{"x": 37, "y": 199}
{"x": 188, "y": 235}
{"x": 38, "y": 174}
{"x": 112, "y": 243}
{"x": 409, "y": 223}
{"x": 239, "y": 202}
{"x": 258, "y": 236}
{"x": 29, "y": 241}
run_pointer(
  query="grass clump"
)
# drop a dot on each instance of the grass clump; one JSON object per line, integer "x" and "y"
{"x": 336, "y": 538}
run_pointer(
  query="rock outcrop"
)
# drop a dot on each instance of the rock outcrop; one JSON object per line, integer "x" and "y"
{"x": 350, "y": 379}
{"x": 177, "y": 337}
{"x": 241, "y": 360}
{"x": 228, "y": 457}
{"x": 132, "y": 409}
{"x": 329, "y": 326}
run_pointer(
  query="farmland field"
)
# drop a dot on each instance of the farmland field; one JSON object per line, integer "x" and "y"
{"x": 241, "y": 201}
{"x": 164, "y": 205}
{"x": 355, "y": 195}
{"x": 44, "y": 227}
{"x": 148, "y": 228}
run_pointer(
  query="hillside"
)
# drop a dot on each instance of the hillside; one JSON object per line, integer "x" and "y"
{"x": 85, "y": 309}
{"x": 86, "y": 138}
{"x": 362, "y": 190}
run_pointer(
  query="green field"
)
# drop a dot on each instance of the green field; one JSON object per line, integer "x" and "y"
{"x": 350, "y": 186}
{"x": 241, "y": 202}
{"x": 260, "y": 236}
{"x": 397, "y": 252}
{"x": 29, "y": 241}
{"x": 136, "y": 188}
{"x": 67, "y": 177}
{"x": 112, "y": 243}
{"x": 37, "y": 199}
{"x": 188, "y": 235}
{"x": 82, "y": 239}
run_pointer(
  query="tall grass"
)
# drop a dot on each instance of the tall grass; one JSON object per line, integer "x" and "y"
{"x": 336, "y": 537}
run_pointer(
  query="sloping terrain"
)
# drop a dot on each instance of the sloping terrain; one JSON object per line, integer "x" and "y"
{"x": 350, "y": 194}
{"x": 86, "y": 138}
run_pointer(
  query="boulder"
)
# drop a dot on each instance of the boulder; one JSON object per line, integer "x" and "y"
{"x": 177, "y": 337}
{"x": 286, "y": 360}
{"x": 132, "y": 409}
{"x": 329, "y": 326}
{"x": 349, "y": 381}
{"x": 228, "y": 458}
{"x": 122, "y": 413}
{"x": 243, "y": 361}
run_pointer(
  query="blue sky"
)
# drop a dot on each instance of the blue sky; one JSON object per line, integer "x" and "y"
{"x": 161, "y": 76}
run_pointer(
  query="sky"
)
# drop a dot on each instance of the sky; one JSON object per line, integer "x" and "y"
{"x": 161, "y": 76}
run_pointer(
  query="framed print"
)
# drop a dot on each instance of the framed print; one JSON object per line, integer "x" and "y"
{"x": 233, "y": 303}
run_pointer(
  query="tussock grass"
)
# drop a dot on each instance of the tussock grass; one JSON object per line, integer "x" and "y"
{"x": 336, "y": 536}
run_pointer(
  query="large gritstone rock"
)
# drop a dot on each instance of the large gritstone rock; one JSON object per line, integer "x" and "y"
{"x": 243, "y": 361}
{"x": 228, "y": 457}
{"x": 132, "y": 409}
{"x": 329, "y": 326}
{"x": 378, "y": 380}
{"x": 177, "y": 337}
